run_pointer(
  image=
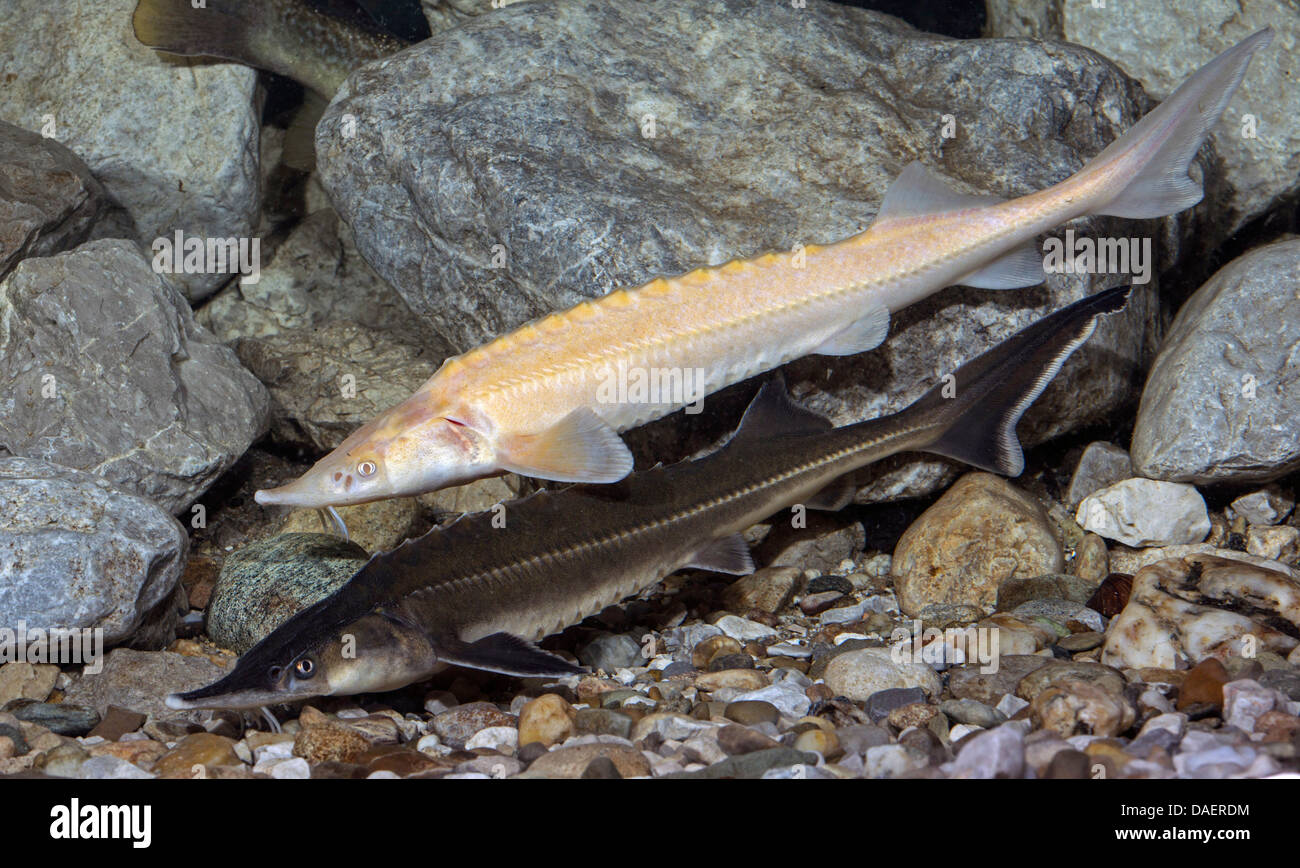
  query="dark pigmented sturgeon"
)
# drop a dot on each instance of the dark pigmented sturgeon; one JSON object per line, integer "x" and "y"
{"x": 476, "y": 595}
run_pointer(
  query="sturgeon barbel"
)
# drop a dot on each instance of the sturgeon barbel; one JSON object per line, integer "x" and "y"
{"x": 476, "y": 594}
{"x": 546, "y": 400}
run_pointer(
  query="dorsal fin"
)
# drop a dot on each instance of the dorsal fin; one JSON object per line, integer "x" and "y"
{"x": 773, "y": 413}
{"x": 916, "y": 193}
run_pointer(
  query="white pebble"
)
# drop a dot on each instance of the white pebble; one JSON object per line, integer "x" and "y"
{"x": 500, "y": 738}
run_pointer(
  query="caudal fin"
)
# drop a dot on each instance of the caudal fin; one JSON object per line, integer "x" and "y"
{"x": 1152, "y": 157}
{"x": 216, "y": 30}
{"x": 977, "y": 414}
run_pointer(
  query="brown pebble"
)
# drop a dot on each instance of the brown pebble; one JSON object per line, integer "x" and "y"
{"x": 195, "y": 754}
{"x": 1277, "y": 726}
{"x": 326, "y": 742}
{"x": 751, "y": 711}
{"x": 819, "y": 693}
{"x": 1204, "y": 683}
{"x": 914, "y": 714}
{"x": 117, "y": 722}
{"x": 1069, "y": 765}
{"x": 601, "y": 768}
{"x": 548, "y": 719}
{"x": 530, "y": 752}
{"x": 735, "y": 739}
{"x": 711, "y": 647}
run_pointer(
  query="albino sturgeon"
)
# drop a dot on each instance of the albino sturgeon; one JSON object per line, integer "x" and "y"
{"x": 546, "y": 400}
{"x": 475, "y": 594}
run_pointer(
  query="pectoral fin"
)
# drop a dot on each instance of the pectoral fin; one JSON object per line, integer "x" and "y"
{"x": 581, "y": 447}
{"x": 1021, "y": 267}
{"x": 727, "y": 555}
{"x": 865, "y": 333}
{"x": 835, "y": 496}
{"x": 504, "y": 653}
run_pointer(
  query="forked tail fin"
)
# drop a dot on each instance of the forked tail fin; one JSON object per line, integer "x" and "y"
{"x": 1149, "y": 162}
{"x": 977, "y": 414}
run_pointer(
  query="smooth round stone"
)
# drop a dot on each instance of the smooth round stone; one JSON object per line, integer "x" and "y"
{"x": 712, "y": 647}
{"x": 866, "y": 671}
{"x": 751, "y": 711}
{"x": 821, "y": 741}
{"x": 972, "y": 712}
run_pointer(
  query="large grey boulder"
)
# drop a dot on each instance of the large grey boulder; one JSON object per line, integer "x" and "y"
{"x": 1222, "y": 399}
{"x": 49, "y": 201}
{"x": 579, "y": 148}
{"x": 76, "y": 551}
{"x": 1160, "y": 44}
{"x": 102, "y": 368}
{"x": 174, "y": 140}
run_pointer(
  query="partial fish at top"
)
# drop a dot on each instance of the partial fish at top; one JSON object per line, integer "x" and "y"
{"x": 541, "y": 401}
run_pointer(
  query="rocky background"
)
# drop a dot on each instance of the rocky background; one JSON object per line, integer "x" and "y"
{"x": 1140, "y": 577}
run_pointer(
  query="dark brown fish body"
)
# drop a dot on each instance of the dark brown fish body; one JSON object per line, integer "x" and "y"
{"x": 477, "y": 593}
{"x": 283, "y": 36}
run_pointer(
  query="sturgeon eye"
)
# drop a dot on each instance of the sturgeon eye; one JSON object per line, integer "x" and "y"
{"x": 366, "y": 468}
{"x": 304, "y": 668}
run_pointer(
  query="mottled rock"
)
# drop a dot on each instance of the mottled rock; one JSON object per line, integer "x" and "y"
{"x": 1070, "y": 706}
{"x": 64, "y": 718}
{"x": 881, "y": 704}
{"x": 768, "y": 590}
{"x": 141, "y": 680}
{"x": 751, "y": 765}
{"x": 195, "y": 754}
{"x": 122, "y": 382}
{"x": 78, "y": 552}
{"x": 267, "y": 582}
{"x": 968, "y": 682}
{"x": 994, "y": 753}
{"x": 1160, "y": 45}
{"x": 326, "y": 382}
{"x": 1091, "y": 559}
{"x": 1230, "y": 348}
{"x": 1130, "y": 561}
{"x": 1108, "y": 679}
{"x": 329, "y": 742}
{"x": 571, "y": 762}
{"x": 1277, "y": 543}
{"x": 818, "y": 542}
{"x": 459, "y": 724}
{"x": 1101, "y": 465}
{"x": 547, "y": 719}
{"x": 378, "y": 526}
{"x": 180, "y": 153}
{"x": 315, "y": 277}
{"x": 1267, "y": 506}
{"x": 982, "y": 532}
{"x": 750, "y": 712}
{"x": 1022, "y": 589}
{"x": 604, "y": 200}
{"x": 23, "y": 680}
{"x": 859, "y": 674}
{"x": 474, "y": 496}
{"x": 1146, "y": 512}
{"x": 1186, "y": 609}
{"x": 49, "y": 201}
{"x": 611, "y": 651}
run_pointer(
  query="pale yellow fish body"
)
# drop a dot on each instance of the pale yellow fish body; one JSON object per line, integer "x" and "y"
{"x": 546, "y": 399}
